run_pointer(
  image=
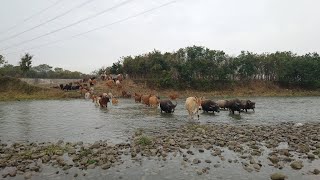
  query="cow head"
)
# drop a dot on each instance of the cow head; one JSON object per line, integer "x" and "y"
{"x": 198, "y": 101}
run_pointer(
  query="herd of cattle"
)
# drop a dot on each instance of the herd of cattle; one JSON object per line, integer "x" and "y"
{"x": 192, "y": 104}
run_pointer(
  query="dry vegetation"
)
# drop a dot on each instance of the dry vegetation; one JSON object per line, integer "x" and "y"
{"x": 255, "y": 88}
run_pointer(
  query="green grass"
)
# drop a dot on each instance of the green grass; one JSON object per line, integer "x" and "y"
{"x": 144, "y": 140}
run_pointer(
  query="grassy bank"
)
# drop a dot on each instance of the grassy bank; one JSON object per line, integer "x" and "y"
{"x": 15, "y": 89}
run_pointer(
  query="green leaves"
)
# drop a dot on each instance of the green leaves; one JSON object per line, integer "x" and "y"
{"x": 197, "y": 66}
{"x": 25, "y": 63}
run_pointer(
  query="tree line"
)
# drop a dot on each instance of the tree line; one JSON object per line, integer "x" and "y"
{"x": 25, "y": 69}
{"x": 201, "y": 68}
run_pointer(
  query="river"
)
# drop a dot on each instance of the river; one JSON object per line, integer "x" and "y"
{"x": 81, "y": 120}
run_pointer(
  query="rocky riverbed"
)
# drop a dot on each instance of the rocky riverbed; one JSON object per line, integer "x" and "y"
{"x": 286, "y": 146}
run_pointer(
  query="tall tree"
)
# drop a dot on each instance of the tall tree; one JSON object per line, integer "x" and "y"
{"x": 2, "y": 61}
{"x": 25, "y": 63}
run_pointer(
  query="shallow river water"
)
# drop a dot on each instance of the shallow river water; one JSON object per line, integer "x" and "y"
{"x": 81, "y": 120}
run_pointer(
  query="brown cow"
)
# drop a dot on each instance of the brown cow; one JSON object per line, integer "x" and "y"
{"x": 126, "y": 94}
{"x": 114, "y": 101}
{"x": 110, "y": 83}
{"x": 137, "y": 97}
{"x": 103, "y": 101}
{"x": 173, "y": 96}
{"x": 145, "y": 99}
{"x": 154, "y": 101}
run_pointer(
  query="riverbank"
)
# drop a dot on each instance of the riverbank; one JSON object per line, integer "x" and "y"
{"x": 280, "y": 151}
{"x": 12, "y": 89}
{"x": 15, "y": 89}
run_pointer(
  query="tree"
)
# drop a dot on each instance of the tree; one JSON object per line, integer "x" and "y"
{"x": 116, "y": 68}
{"x": 42, "y": 68}
{"x": 25, "y": 63}
{"x": 1, "y": 60}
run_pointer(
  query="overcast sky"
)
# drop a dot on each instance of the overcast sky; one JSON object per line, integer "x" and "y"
{"x": 228, "y": 25}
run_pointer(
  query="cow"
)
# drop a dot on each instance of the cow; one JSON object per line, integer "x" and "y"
{"x": 193, "y": 104}
{"x": 67, "y": 87}
{"x": 97, "y": 100}
{"x": 61, "y": 86}
{"x": 126, "y": 94}
{"x": 173, "y": 96}
{"x": 110, "y": 83}
{"x": 120, "y": 77}
{"x": 222, "y": 103}
{"x": 137, "y": 97}
{"x": 167, "y": 106}
{"x": 118, "y": 83}
{"x": 87, "y": 95}
{"x": 145, "y": 99}
{"x": 247, "y": 104}
{"x": 103, "y": 101}
{"x": 154, "y": 101}
{"x": 77, "y": 87}
{"x": 114, "y": 101}
{"x": 209, "y": 105}
{"x": 234, "y": 105}
{"x": 94, "y": 98}
{"x": 110, "y": 95}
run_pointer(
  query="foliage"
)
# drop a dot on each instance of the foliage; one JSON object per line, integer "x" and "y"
{"x": 40, "y": 71}
{"x": 25, "y": 63}
{"x": 2, "y": 61}
{"x": 200, "y": 68}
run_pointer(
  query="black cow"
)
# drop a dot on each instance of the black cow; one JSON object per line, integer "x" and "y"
{"x": 61, "y": 86}
{"x": 209, "y": 105}
{"x": 234, "y": 105}
{"x": 67, "y": 87}
{"x": 77, "y": 87}
{"x": 247, "y": 104}
{"x": 167, "y": 106}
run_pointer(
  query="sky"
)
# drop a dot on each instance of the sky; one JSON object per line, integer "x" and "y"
{"x": 229, "y": 25}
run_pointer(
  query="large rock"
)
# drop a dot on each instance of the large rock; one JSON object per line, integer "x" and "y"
{"x": 95, "y": 145}
{"x": 303, "y": 148}
{"x": 278, "y": 176}
{"x": 274, "y": 159}
{"x": 296, "y": 165}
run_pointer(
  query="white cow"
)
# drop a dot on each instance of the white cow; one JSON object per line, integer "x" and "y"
{"x": 192, "y": 105}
